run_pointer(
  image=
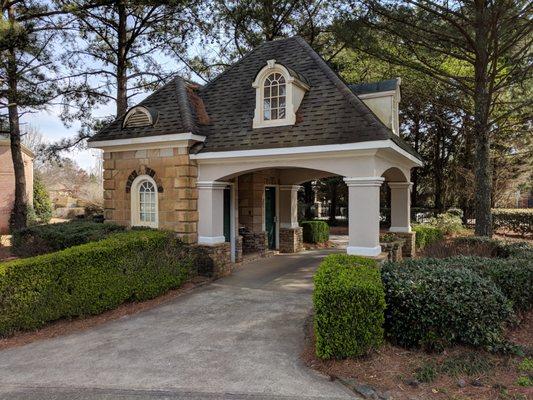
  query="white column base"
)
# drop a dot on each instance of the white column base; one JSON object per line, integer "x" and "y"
{"x": 364, "y": 251}
{"x": 211, "y": 240}
{"x": 400, "y": 229}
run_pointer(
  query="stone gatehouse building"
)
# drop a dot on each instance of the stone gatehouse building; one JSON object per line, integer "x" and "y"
{"x": 221, "y": 164}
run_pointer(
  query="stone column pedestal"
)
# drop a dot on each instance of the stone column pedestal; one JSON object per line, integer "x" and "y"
{"x": 409, "y": 248}
{"x": 214, "y": 260}
{"x": 290, "y": 240}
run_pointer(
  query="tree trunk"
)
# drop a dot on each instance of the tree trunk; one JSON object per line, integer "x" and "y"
{"x": 438, "y": 170}
{"x": 122, "y": 81}
{"x": 414, "y": 173}
{"x": 333, "y": 203}
{"x": 482, "y": 100}
{"x": 20, "y": 207}
{"x": 309, "y": 200}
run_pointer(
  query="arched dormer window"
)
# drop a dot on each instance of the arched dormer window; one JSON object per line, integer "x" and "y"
{"x": 274, "y": 97}
{"x": 279, "y": 92}
{"x": 144, "y": 202}
{"x": 139, "y": 116}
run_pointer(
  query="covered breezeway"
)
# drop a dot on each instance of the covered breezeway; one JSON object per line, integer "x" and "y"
{"x": 256, "y": 191}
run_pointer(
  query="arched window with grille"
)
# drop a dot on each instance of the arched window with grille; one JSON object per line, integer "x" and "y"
{"x": 144, "y": 202}
{"x": 274, "y": 97}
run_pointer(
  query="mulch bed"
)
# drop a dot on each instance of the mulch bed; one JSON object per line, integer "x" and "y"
{"x": 65, "y": 327}
{"x": 393, "y": 369}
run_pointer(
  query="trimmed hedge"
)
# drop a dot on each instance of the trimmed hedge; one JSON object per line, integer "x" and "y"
{"x": 513, "y": 276}
{"x": 433, "y": 306}
{"x": 519, "y": 220}
{"x": 42, "y": 239}
{"x": 349, "y": 304}
{"x": 426, "y": 235}
{"x": 315, "y": 231}
{"x": 90, "y": 278}
{"x": 498, "y": 248}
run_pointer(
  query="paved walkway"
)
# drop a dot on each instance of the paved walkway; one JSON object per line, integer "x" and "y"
{"x": 238, "y": 338}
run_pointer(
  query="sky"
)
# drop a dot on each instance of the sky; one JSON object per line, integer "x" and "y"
{"x": 49, "y": 124}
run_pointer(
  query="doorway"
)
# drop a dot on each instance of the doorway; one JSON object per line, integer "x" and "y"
{"x": 270, "y": 216}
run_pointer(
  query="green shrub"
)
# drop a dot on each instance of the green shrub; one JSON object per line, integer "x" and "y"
{"x": 426, "y": 235}
{"x": 90, "y": 278}
{"x": 519, "y": 220}
{"x": 447, "y": 223}
{"x": 513, "y": 276}
{"x": 457, "y": 212}
{"x": 515, "y": 250}
{"x": 434, "y": 306}
{"x": 41, "y": 201}
{"x": 42, "y": 239}
{"x": 315, "y": 231}
{"x": 349, "y": 305}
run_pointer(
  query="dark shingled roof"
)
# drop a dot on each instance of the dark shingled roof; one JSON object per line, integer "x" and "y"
{"x": 373, "y": 87}
{"x": 174, "y": 114}
{"x": 330, "y": 112}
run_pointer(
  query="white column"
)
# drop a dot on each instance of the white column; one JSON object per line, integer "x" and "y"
{"x": 211, "y": 212}
{"x": 400, "y": 206}
{"x": 288, "y": 206}
{"x": 363, "y": 215}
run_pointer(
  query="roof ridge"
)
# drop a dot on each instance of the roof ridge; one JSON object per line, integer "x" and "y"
{"x": 342, "y": 86}
{"x": 184, "y": 105}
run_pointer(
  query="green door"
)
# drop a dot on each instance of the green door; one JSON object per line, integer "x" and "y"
{"x": 270, "y": 216}
{"x": 227, "y": 214}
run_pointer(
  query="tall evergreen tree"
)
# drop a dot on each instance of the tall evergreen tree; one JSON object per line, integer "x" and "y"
{"x": 480, "y": 48}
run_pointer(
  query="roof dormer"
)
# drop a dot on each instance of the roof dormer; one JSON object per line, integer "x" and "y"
{"x": 139, "y": 116}
{"x": 279, "y": 93}
{"x": 383, "y": 98}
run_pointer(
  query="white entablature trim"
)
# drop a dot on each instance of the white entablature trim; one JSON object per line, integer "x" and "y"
{"x": 302, "y": 150}
{"x": 148, "y": 142}
{"x": 367, "y": 181}
{"x": 295, "y": 91}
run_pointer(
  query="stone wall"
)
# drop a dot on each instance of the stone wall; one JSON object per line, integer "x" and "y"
{"x": 238, "y": 249}
{"x": 253, "y": 242}
{"x": 290, "y": 240}
{"x": 216, "y": 259}
{"x": 251, "y": 197}
{"x": 175, "y": 174}
{"x": 409, "y": 247}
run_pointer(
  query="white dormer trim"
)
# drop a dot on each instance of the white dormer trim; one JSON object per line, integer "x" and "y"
{"x": 135, "y": 109}
{"x": 295, "y": 91}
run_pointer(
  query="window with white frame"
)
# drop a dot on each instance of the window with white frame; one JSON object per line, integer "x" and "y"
{"x": 274, "y": 97}
{"x": 278, "y": 95}
{"x": 144, "y": 207}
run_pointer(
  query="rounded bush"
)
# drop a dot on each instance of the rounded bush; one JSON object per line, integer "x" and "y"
{"x": 315, "y": 231}
{"x": 431, "y": 306}
{"x": 513, "y": 276}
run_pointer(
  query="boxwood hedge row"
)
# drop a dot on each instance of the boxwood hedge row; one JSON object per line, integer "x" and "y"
{"x": 90, "y": 278}
{"x": 349, "y": 304}
{"x": 426, "y": 235}
{"x": 315, "y": 231}
{"x": 42, "y": 239}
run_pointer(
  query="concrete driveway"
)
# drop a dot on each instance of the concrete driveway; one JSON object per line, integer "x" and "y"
{"x": 238, "y": 338}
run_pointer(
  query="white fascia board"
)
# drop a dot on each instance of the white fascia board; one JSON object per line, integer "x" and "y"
{"x": 376, "y": 94}
{"x": 148, "y": 140}
{"x": 331, "y": 148}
